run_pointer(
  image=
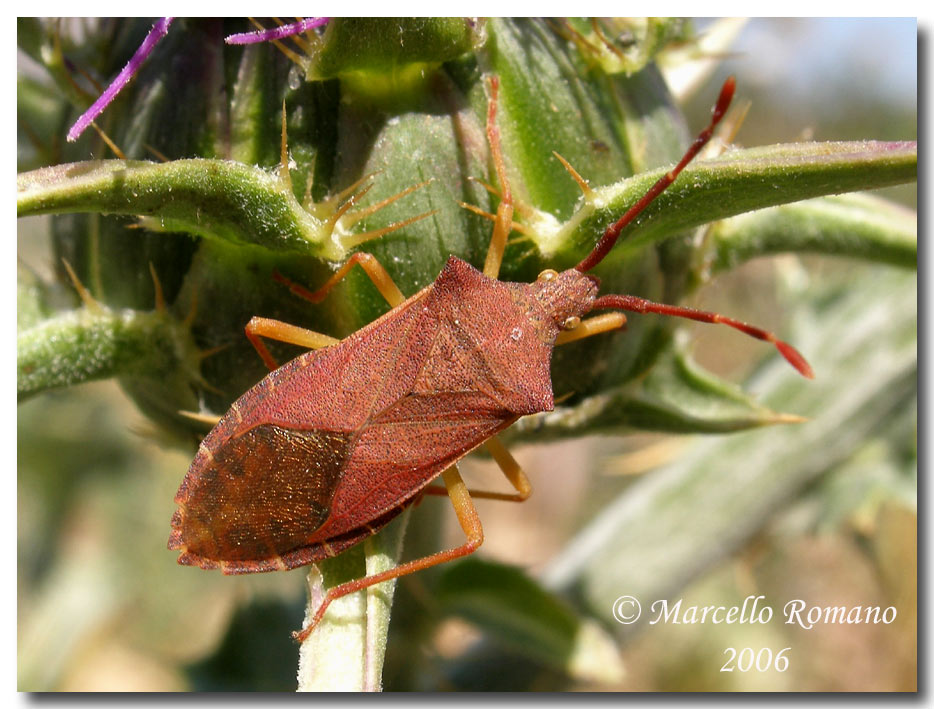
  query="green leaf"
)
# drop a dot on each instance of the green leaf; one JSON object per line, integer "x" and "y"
{"x": 87, "y": 344}
{"x": 857, "y": 226}
{"x": 736, "y": 182}
{"x": 242, "y": 204}
{"x": 216, "y": 199}
{"x": 606, "y": 127}
{"x": 518, "y": 613}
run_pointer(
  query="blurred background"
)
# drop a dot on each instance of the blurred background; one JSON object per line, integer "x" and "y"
{"x": 102, "y": 605}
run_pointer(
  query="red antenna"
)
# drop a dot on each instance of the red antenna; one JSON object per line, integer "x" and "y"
{"x": 610, "y": 236}
{"x": 640, "y": 305}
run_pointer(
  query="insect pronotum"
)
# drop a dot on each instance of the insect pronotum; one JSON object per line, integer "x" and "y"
{"x": 331, "y": 446}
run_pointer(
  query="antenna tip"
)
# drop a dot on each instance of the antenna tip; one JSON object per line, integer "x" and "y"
{"x": 795, "y": 359}
{"x": 726, "y": 96}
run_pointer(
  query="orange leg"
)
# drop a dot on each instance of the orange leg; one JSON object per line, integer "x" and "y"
{"x": 592, "y": 326}
{"x": 470, "y": 523}
{"x": 503, "y": 223}
{"x": 511, "y": 469}
{"x": 283, "y": 332}
{"x": 373, "y": 268}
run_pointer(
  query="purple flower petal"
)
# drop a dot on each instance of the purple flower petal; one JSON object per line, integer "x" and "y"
{"x": 277, "y": 32}
{"x": 157, "y": 32}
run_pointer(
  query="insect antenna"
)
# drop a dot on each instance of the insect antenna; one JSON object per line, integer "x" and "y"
{"x": 641, "y": 305}
{"x": 612, "y": 233}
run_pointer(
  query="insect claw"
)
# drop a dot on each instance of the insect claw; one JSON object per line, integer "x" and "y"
{"x": 300, "y": 636}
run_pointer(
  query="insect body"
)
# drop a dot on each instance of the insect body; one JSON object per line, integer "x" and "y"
{"x": 331, "y": 446}
{"x": 335, "y": 442}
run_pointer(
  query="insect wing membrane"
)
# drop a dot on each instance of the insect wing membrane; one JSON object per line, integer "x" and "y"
{"x": 262, "y": 493}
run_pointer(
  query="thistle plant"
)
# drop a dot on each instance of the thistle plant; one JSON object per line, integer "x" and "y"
{"x": 230, "y": 160}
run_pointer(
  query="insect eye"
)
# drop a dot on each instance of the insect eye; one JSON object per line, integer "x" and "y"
{"x": 570, "y": 323}
{"x": 547, "y": 275}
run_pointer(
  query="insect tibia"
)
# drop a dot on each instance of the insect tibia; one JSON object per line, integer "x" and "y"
{"x": 640, "y": 305}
